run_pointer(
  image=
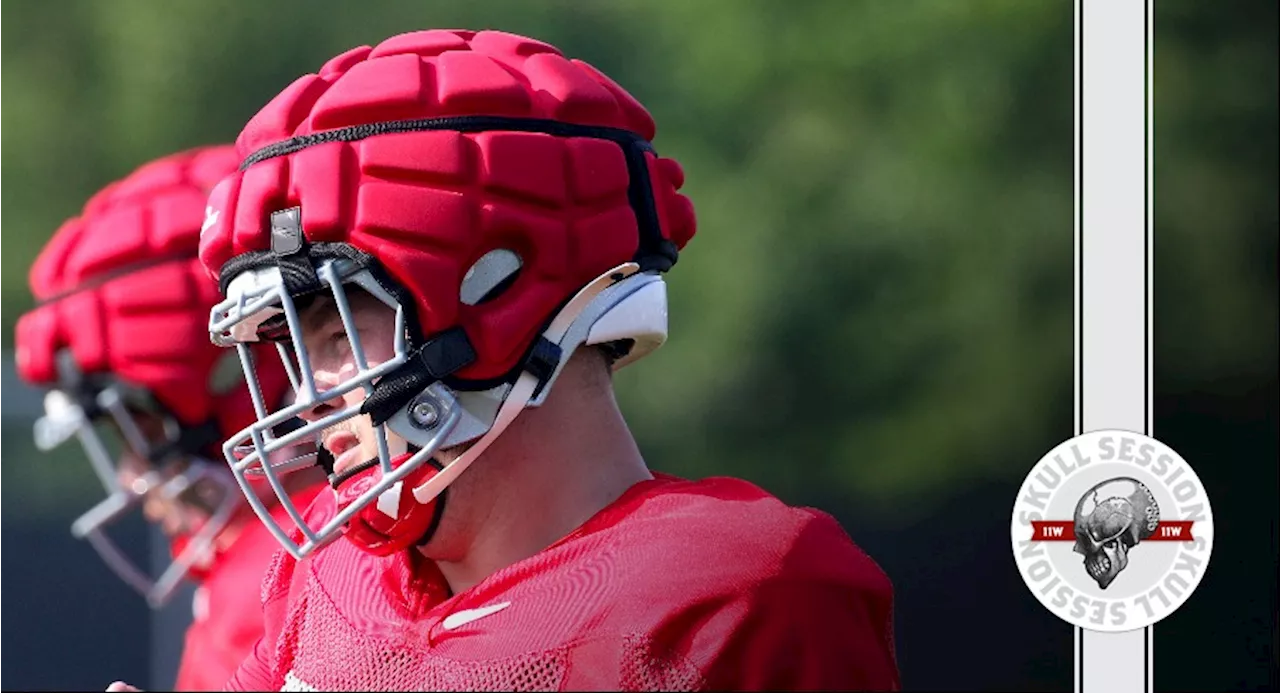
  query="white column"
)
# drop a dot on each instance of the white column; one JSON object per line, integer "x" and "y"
{"x": 1113, "y": 272}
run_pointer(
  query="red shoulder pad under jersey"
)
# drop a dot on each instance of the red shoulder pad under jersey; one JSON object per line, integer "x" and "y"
{"x": 677, "y": 586}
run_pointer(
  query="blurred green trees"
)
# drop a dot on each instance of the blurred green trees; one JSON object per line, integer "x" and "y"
{"x": 878, "y": 303}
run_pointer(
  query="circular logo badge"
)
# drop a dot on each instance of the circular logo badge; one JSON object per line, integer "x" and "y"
{"x": 1112, "y": 531}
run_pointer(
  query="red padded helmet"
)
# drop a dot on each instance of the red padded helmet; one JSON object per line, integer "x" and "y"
{"x": 503, "y": 198}
{"x": 119, "y": 337}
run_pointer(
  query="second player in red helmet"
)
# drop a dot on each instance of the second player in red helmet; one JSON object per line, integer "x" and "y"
{"x": 119, "y": 340}
{"x": 454, "y": 238}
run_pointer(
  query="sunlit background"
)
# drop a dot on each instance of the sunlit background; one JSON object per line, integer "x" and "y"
{"x": 875, "y": 317}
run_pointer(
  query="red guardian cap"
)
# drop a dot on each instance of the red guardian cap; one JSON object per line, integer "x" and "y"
{"x": 120, "y": 331}
{"x": 479, "y": 183}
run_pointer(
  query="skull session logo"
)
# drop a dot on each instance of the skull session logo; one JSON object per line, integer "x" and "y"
{"x": 1112, "y": 530}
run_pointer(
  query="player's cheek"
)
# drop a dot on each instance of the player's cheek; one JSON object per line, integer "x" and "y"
{"x": 377, "y": 341}
{"x": 368, "y": 437}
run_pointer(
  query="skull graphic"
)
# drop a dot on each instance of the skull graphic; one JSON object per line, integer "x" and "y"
{"x": 1111, "y": 518}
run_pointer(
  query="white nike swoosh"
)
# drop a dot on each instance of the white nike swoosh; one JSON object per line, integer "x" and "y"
{"x": 293, "y": 683}
{"x": 210, "y": 218}
{"x": 462, "y": 618}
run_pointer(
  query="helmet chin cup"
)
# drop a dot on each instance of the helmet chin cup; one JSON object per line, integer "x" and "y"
{"x": 397, "y": 520}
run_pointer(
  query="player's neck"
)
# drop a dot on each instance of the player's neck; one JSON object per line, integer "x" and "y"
{"x": 558, "y": 465}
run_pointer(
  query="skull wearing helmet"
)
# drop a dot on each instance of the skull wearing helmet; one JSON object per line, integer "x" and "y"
{"x": 1110, "y": 519}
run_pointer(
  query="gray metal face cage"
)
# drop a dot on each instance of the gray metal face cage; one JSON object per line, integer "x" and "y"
{"x": 65, "y": 418}
{"x": 438, "y": 418}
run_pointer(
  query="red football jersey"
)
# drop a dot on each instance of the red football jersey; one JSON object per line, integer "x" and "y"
{"x": 677, "y": 585}
{"x": 227, "y": 607}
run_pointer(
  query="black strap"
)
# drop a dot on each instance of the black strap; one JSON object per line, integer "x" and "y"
{"x": 542, "y": 361}
{"x": 324, "y": 460}
{"x": 654, "y": 253}
{"x": 440, "y": 356}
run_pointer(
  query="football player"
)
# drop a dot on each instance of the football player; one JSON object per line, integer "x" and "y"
{"x": 453, "y": 239}
{"x": 119, "y": 340}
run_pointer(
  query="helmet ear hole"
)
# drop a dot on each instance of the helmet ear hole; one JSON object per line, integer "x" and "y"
{"x": 489, "y": 277}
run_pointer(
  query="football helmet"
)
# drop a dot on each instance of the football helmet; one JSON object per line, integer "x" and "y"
{"x": 119, "y": 340}
{"x": 504, "y": 200}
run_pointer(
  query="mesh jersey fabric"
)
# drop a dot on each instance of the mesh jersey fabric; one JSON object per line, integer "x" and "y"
{"x": 227, "y": 608}
{"x": 677, "y": 585}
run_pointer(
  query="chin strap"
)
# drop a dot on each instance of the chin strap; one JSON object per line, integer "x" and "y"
{"x": 526, "y": 385}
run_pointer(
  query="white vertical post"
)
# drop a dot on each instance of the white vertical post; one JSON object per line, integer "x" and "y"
{"x": 1113, "y": 256}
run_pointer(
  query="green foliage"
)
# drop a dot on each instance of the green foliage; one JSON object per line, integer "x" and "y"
{"x": 1217, "y": 214}
{"x": 878, "y": 305}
